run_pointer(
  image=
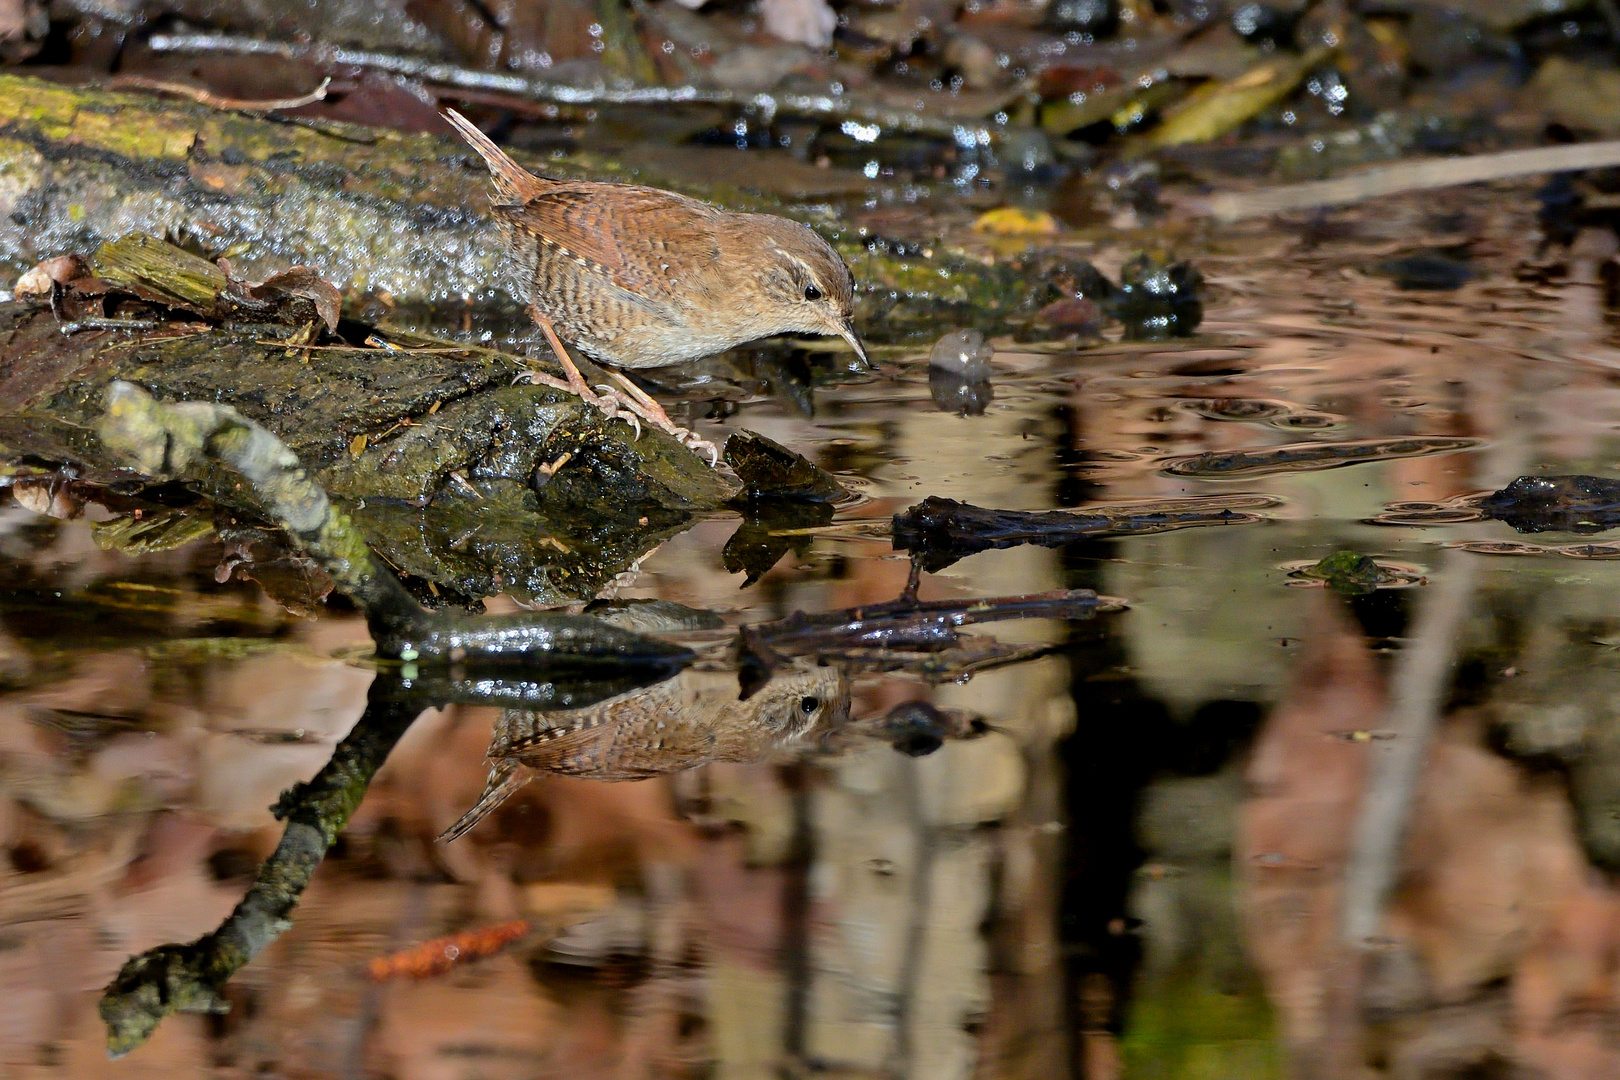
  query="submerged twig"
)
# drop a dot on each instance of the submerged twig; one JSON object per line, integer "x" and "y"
{"x": 875, "y": 632}
{"x": 190, "y": 977}
{"x": 1417, "y": 696}
{"x": 1413, "y": 176}
{"x": 439, "y": 955}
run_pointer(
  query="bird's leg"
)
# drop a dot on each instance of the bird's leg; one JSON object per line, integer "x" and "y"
{"x": 575, "y": 384}
{"x": 642, "y": 404}
{"x": 633, "y": 400}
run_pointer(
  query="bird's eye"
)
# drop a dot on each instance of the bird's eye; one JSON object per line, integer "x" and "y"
{"x": 812, "y": 293}
{"x": 808, "y": 705}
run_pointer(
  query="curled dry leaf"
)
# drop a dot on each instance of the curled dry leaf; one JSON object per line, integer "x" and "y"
{"x": 300, "y": 282}
{"x": 36, "y": 283}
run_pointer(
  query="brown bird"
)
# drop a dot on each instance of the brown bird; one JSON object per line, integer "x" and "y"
{"x": 635, "y": 277}
{"x": 683, "y": 722}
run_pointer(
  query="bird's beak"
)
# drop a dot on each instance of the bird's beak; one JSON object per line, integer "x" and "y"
{"x": 847, "y": 332}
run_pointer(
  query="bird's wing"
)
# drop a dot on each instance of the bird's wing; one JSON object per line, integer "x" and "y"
{"x": 643, "y": 239}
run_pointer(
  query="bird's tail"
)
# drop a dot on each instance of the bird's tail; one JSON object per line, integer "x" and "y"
{"x": 504, "y": 778}
{"x": 515, "y": 183}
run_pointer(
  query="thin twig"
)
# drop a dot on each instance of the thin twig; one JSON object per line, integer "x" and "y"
{"x": 1412, "y": 176}
{"x": 215, "y": 101}
{"x": 68, "y": 329}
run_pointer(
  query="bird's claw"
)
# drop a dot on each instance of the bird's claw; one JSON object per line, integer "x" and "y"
{"x": 698, "y": 445}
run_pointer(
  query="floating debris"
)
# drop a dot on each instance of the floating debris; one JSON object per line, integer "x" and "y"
{"x": 1306, "y": 457}
{"x": 940, "y": 531}
{"x": 1350, "y": 573}
{"x": 1573, "y": 503}
{"x": 1521, "y": 547}
{"x": 1238, "y": 410}
{"x": 917, "y": 636}
{"x": 441, "y": 954}
{"x": 1278, "y": 414}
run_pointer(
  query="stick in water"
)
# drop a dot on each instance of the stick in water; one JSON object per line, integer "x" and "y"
{"x": 1413, "y": 176}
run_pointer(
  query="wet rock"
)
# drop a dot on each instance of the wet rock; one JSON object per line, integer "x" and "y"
{"x": 955, "y": 394}
{"x": 1071, "y": 315}
{"x": 1577, "y": 504}
{"x": 770, "y": 470}
{"x": 752, "y": 68}
{"x": 1027, "y": 151}
{"x": 1438, "y": 271}
{"x": 963, "y": 353}
{"x": 1158, "y": 298}
{"x": 438, "y": 456}
{"x": 805, "y": 22}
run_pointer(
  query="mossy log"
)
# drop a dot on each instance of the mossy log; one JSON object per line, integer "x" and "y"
{"x": 378, "y": 211}
{"x": 444, "y": 464}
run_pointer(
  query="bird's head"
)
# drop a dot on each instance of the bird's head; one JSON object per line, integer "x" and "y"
{"x": 803, "y": 285}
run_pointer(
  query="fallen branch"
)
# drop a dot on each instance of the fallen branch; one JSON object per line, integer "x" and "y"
{"x": 891, "y": 635}
{"x": 191, "y": 977}
{"x": 1412, "y": 176}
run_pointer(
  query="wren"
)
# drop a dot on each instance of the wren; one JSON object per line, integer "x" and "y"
{"x": 686, "y": 721}
{"x": 635, "y": 277}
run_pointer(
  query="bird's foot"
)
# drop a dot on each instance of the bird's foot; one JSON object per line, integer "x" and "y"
{"x": 641, "y": 403}
{"x": 614, "y": 404}
{"x": 630, "y": 404}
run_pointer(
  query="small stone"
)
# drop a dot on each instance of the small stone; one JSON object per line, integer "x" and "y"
{"x": 1073, "y": 314}
{"x": 974, "y": 61}
{"x": 964, "y": 353}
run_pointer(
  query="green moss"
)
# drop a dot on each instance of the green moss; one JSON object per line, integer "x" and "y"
{"x": 1182, "y": 1028}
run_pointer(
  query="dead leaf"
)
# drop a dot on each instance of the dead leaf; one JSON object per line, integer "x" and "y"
{"x": 1012, "y": 221}
{"x": 1216, "y": 108}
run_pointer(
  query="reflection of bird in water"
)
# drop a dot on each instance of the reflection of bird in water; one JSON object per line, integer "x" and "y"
{"x": 689, "y": 720}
